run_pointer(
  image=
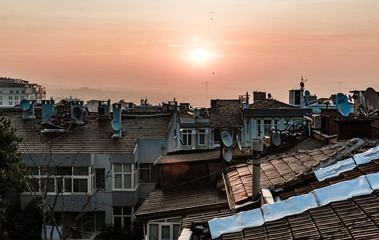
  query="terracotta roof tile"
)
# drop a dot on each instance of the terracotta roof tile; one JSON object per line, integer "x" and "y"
{"x": 176, "y": 200}
{"x": 281, "y": 170}
{"x": 269, "y": 104}
{"x": 355, "y": 218}
{"x": 92, "y": 137}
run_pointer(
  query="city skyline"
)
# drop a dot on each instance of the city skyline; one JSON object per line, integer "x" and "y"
{"x": 193, "y": 51}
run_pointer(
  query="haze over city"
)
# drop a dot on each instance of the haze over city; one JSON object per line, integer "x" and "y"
{"x": 192, "y": 50}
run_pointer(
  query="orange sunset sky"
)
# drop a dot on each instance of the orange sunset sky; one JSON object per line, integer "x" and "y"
{"x": 163, "y": 49}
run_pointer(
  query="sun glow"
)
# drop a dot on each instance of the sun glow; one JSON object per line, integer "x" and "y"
{"x": 200, "y": 55}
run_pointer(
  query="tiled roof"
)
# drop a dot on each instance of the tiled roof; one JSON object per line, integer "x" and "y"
{"x": 355, "y": 218}
{"x": 228, "y": 114}
{"x": 313, "y": 183}
{"x": 92, "y": 137}
{"x": 174, "y": 201}
{"x": 188, "y": 222}
{"x": 279, "y": 170}
{"x": 269, "y": 104}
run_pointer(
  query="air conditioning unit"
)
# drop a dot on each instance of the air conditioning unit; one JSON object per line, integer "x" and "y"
{"x": 316, "y": 121}
{"x": 77, "y": 111}
{"x": 104, "y": 109}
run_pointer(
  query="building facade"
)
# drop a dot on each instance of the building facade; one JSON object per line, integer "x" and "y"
{"x": 12, "y": 91}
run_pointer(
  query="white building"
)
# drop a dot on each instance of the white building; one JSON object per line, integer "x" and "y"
{"x": 12, "y": 91}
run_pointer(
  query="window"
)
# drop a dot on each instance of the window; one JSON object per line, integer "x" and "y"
{"x": 122, "y": 217}
{"x": 267, "y": 125}
{"x": 10, "y": 91}
{"x": 17, "y": 91}
{"x": 1, "y": 103}
{"x": 259, "y": 132}
{"x": 201, "y": 137}
{"x": 23, "y": 91}
{"x": 10, "y": 97}
{"x": 100, "y": 178}
{"x": 148, "y": 173}
{"x": 1, "y": 97}
{"x": 10, "y": 103}
{"x": 16, "y": 103}
{"x": 125, "y": 176}
{"x": 187, "y": 138}
{"x": 15, "y": 97}
{"x": 60, "y": 179}
{"x": 165, "y": 229}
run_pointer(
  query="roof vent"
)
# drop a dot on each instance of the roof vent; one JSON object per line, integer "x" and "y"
{"x": 116, "y": 121}
{"x": 77, "y": 111}
{"x": 27, "y": 107}
{"x": 47, "y": 110}
{"x": 104, "y": 109}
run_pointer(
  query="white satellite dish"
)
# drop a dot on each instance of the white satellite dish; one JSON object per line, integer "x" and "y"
{"x": 301, "y": 84}
{"x": 24, "y": 105}
{"x": 116, "y": 124}
{"x": 276, "y": 139}
{"x": 226, "y": 138}
{"x": 227, "y": 154}
{"x": 363, "y": 102}
{"x": 196, "y": 112}
{"x": 343, "y": 105}
{"x": 307, "y": 93}
{"x": 372, "y": 99}
{"x": 239, "y": 142}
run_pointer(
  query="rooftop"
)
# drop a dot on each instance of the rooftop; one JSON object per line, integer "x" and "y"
{"x": 226, "y": 113}
{"x": 286, "y": 168}
{"x": 94, "y": 136}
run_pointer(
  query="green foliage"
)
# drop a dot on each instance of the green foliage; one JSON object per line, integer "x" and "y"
{"x": 12, "y": 169}
{"x": 111, "y": 233}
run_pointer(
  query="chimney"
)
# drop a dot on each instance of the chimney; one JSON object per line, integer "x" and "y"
{"x": 116, "y": 121}
{"x": 257, "y": 148}
{"x": 48, "y": 108}
{"x": 104, "y": 108}
{"x": 77, "y": 111}
{"x": 27, "y": 107}
{"x": 259, "y": 96}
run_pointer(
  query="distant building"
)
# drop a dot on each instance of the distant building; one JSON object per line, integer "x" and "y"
{"x": 12, "y": 91}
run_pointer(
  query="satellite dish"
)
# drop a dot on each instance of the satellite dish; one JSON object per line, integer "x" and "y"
{"x": 363, "y": 102}
{"x": 226, "y": 138}
{"x": 269, "y": 95}
{"x": 227, "y": 154}
{"x": 343, "y": 105}
{"x": 239, "y": 142}
{"x": 196, "y": 112}
{"x": 116, "y": 124}
{"x": 307, "y": 93}
{"x": 24, "y": 105}
{"x": 301, "y": 84}
{"x": 276, "y": 139}
{"x": 372, "y": 99}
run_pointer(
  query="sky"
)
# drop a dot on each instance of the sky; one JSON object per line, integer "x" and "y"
{"x": 193, "y": 50}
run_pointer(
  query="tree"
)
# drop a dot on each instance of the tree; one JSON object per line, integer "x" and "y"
{"x": 11, "y": 166}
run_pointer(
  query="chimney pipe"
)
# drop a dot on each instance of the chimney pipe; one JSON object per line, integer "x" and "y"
{"x": 256, "y": 175}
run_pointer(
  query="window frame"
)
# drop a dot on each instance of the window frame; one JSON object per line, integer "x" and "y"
{"x": 133, "y": 177}
{"x": 187, "y": 137}
{"x": 164, "y": 222}
{"x": 61, "y": 180}
{"x": 201, "y": 133}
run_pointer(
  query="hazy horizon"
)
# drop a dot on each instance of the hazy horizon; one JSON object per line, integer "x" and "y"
{"x": 166, "y": 49}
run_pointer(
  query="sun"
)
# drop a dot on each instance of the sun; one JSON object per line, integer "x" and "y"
{"x": 200, "y": 55}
